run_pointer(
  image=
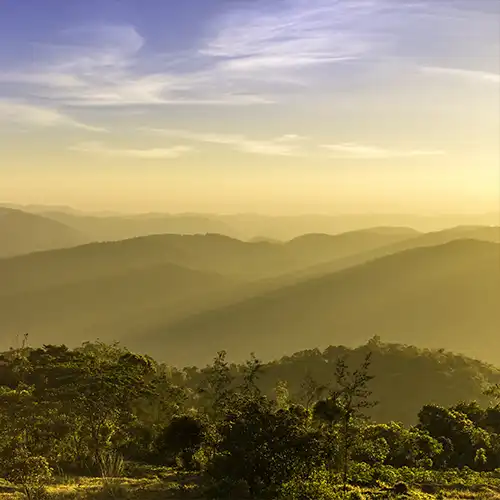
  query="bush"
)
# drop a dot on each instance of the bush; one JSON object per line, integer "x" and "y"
{"x": 320, "y": 486}
{"x": 181, "y": 439}
{"x": 31, "y": 473}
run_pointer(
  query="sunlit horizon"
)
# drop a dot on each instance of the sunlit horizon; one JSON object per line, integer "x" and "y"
{"x": 280, "y": 107}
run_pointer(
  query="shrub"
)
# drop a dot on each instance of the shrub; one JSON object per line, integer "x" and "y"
{"x": 320, "y": 486}
{"x": 111, "y": 464}
{"x": 31, "y": 473}
{"x": 181, "y": 439}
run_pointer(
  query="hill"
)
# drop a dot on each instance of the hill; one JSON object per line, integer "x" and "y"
{"x": 418, "y": 240}
{"x": 405, "y": 377}
{"x": 109, "y": 290}
{"x": 209, "y": 252}
{"x": 120, "y": 227}
{"x": 325, "y": 247}
{"x": 288, "y": 227}
{"x": 22, "y": 233}
{"x": 441, "y": 296}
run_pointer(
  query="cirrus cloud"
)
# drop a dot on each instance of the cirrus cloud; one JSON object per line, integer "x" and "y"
{"x": 465, "y": 74}
{"x": 142, "y": 154}
{"x": 285, "y": 145}
{"x": 350, "y": 150}
{"x": 27, "y": 114}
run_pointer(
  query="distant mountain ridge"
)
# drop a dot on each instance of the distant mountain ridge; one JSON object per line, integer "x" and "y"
{"x": 209, "y": 252}
{"x": 441, "y": 296}
{"x": 23, "y": 232}
{"x": 111, "y": 226}
{"x": 106, "y": 289}
{"x": 168, "y": 291}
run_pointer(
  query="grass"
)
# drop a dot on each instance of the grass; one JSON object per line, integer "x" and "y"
{"x": 153, "y": 484}
{"x": 158, "y": 483}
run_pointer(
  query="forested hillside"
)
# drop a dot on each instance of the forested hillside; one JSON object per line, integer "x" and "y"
{"x": 296, "y": 428}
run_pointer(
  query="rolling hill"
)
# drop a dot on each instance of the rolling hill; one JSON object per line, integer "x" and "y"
{"x": 211, "y": 252}
{"x": 420, "y": 240}
{"x": 163, "y": 289}
{"x": 439, "y": 296}
{"x": 22, "y": 233}
{"x": 110, "y": 290}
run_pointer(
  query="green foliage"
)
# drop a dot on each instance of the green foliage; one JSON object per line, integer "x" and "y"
{"x": 95, "y": 408}
{"x": 394, "y": 444}
{"x": 405, "y": 378}
{"x": 346, "y": 405}
{"x": 112, "y": 464}
{"x": 462, "y": 440}
{"x": 320, "y": 485}
{"x": 262, "y": 447}
{"x": 182, "y": 438}
{"x": 77, "y": 408}
{"x": 30, "y": 472}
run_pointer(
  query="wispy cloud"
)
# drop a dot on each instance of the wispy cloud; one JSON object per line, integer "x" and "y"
{"x": 258, "y": 36}
{"x": 473, "y": 75}
{"x": 143, "y": 154}
{"x": 93, "y": 65}
{"x": 293, "y": 145}
{"x": 286, "y": 145}
{"x": 27, "y": 114}
{"x": 350, "y": 150}
{"x": 112, "y": 65}
{"x": 105, "y": 66}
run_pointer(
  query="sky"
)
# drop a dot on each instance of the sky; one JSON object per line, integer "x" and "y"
{"x": 271, "y": 106}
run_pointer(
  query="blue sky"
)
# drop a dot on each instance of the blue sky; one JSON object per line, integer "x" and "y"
{"x": 250, "y": 93}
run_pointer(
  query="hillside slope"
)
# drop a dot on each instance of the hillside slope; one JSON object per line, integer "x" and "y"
{"x": 442, "y": 296}
{"x": 419, "y": 240}
{"x": 110, "y": 290}
{"x": 22, "y": 233}
{"x": 405, "y": 377}
{"x": 106, "y": 306}
{"x": 211, "y": 252}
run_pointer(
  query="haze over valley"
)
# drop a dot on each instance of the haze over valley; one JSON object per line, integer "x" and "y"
{"x": 185, "y": 296}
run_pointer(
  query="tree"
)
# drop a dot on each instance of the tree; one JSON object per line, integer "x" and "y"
{"x": 94, "y": 389}
{"x": 182, "y": 438}
{"x": 311, "y": 390}
{"x": 346, "y": 404}
{"x": 493, "y": 391}
{"x": 282, "y": 395}
{"x": 261, "y": 447}
{"x": 217, "y": 386}
{"x": 460, "y": 437}
{"x": 405, "y": 447}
